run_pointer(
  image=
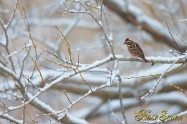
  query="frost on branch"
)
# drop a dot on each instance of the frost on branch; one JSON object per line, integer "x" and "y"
{"x": 65, "y": 62}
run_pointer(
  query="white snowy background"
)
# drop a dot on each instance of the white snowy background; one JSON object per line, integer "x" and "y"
{"x": 64, "y": 61}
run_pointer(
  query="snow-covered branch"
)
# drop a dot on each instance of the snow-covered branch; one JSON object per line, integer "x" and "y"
{"x": 64, "y": 61}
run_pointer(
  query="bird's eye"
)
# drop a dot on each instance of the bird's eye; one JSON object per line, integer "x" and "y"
{"x": 128, "y": 42}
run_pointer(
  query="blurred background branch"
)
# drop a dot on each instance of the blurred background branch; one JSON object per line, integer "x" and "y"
{"x": 65, "y": 62}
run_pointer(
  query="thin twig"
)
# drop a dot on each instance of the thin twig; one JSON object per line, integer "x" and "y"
{"x": 177, "y": 46}
{"x": 67, "y": 97}
{"x": 121, "y": 100}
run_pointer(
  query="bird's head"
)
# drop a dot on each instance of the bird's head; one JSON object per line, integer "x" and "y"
{"x": 127, "y": 41}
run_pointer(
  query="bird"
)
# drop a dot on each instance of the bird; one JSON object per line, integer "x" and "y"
{"x": 135, "y": 50}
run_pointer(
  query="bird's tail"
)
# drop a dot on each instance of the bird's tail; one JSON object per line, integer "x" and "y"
{"x": 145, "y": 60}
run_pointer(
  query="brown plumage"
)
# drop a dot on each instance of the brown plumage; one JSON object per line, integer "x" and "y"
{"x": 134, "y": 49}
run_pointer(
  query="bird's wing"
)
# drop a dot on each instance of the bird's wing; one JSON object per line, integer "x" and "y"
{"x": 139, "y": 51}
